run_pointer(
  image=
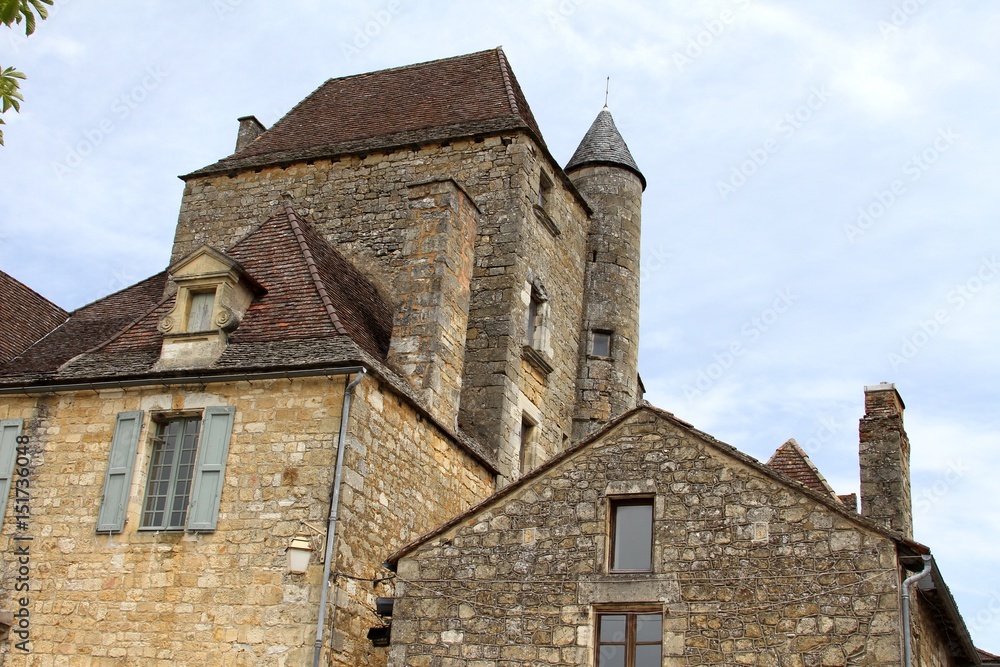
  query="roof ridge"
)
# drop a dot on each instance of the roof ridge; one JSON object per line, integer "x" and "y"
{"x": 293, "y": 221}
{"x": 505, "y": 73}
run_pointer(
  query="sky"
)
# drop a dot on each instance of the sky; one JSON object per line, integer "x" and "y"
{"x": 821, "y": 211}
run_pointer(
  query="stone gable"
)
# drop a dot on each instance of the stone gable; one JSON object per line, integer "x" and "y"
{"x": 746, "y": 568}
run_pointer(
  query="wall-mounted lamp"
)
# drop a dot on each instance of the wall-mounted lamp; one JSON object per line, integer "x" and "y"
{"x": 299, "y": 554}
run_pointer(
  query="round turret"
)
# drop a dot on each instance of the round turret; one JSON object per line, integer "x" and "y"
{"x": 603, "y": 170}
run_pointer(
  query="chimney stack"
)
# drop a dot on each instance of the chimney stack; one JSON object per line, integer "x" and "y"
{"x": 250, "y": 129}
{"x": 885, "y": 460}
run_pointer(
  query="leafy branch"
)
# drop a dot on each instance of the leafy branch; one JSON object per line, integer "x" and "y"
{"x": 14, "y": 12}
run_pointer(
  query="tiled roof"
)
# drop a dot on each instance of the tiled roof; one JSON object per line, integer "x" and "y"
{"x": 86, "y": 328}
{"x": 443, "y": 99}
{"x": 25, "y": 316}
{"x": 603, "y": 144}
{"x": 790, "y": 460}
{"x": 318, "y": 309}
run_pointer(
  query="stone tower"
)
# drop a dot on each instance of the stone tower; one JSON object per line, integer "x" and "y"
{"x": 603, "y": 170}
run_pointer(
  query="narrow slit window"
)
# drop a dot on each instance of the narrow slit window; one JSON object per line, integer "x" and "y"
{"x": 527, "y": 445}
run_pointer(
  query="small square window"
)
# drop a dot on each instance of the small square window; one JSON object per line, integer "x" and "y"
{"x": 631, "y": 535}
{"x": 629, "y": 639}
{"x": 601, "y": 344}
{"x": 200, "y": 311}
{"x": 171, "y": 471}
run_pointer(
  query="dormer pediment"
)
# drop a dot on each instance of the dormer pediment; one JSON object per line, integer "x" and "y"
{"x": 213, "y": 294}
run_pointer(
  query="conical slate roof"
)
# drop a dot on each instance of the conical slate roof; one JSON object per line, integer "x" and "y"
{"x": 604, "y": 145}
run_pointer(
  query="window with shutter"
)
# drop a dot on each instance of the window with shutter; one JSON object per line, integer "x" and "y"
{"x": 10, "y": 429}
{"x": 186, "y": 468}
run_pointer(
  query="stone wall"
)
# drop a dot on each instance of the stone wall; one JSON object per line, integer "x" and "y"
{"x": 746, "y": 569}
{"x": 362, "y": 204}
{"x": 224, "y": 597}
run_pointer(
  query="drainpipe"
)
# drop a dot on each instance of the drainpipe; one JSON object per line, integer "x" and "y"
{"x": 907, "y": 639}
{"x": 331, "y": 529}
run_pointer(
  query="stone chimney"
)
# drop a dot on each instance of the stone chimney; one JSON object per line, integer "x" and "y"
{"x": 250, "y": 129}
{"x": 885, "y": 460}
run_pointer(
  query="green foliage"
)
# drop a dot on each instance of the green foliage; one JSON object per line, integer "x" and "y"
{"x": 14, "y": 11}
{"x": 11, "y": 12}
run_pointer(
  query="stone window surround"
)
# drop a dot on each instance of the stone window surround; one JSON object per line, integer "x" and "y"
{"x": 631, "y": 611}
{"x": 594, "y": 333}
{"x": 537, "y": 348}
{"x": 616, "y": 501}
{"x": 543, "y": 204}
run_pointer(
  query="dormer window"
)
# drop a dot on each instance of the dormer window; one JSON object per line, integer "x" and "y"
{"x": 200, "y": 311}
{"x": 213, "y": 294}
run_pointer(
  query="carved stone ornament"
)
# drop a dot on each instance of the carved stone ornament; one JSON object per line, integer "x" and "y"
{"x": 166, "y": 324}
{"x": 227, "y": 319}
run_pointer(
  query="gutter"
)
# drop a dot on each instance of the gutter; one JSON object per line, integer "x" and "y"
{"x": 331, "y": 530}
{"x": 909, "y": 581}
{"x": 179, "y": 379}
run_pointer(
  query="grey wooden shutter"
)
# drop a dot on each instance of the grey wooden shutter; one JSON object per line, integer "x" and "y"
{"x": 118, "y": 479}
{"x": 9, "y": 430}
{"x": 210, "y": 470}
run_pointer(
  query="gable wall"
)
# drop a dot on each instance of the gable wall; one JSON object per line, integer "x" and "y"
{"x": 520, "y": 581}
{"x": 362, "y": 205}
{"x": 224, "y": 597}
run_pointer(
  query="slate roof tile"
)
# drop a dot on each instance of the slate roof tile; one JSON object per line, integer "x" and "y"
{"x": 25, "y": 316}
{"x": 433, "y": 101}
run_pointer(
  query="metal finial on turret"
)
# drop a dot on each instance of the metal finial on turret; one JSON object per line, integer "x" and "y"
{"x": 607, "y": 87}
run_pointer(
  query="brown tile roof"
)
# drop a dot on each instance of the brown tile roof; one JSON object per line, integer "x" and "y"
{"x": 790, "y": 460}
{"x": 25, "y": 316}
{"x": 443, "y": 99}
{"x": 318, "y": 309}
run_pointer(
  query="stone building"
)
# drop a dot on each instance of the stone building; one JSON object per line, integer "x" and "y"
{"x": 652, "y": 543}
{"x": 376, "y": 313}
{"x": 390, "y": 307}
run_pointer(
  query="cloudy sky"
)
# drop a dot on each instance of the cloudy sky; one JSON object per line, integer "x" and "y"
{"x": 821, "y": 214}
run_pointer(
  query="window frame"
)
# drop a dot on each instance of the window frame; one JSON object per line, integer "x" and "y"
{"x": 162, "y": 422}
{"x": 630, "y": 641}
{"x": 594, "y": 333}
{"x": 616, "y": 502}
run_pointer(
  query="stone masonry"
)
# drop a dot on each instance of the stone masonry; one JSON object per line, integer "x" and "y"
{"x": 225, "y": 597}
{"x": 747, "y": 568}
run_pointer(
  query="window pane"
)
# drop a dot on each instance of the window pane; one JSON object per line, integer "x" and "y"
{"x": 612, "y": 628}
{"x": 200, "y": 313}
{"x": 633, "y": 537}
{"x": 171, "y": 470}
{"x": 611, "y": 656}
{"x": 602, "y": 344}
{"x": 647, "y": 655}
{"x": 649, "y": 628}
